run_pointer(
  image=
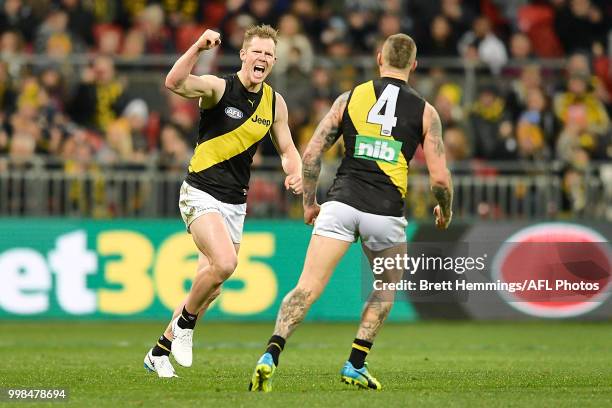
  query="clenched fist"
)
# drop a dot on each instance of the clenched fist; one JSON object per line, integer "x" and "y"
{"x": 294, "y": 183}
{"x": 210, "y": 39}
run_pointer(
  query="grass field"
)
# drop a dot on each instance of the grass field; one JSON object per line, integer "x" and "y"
{"x": 551, "y": 364}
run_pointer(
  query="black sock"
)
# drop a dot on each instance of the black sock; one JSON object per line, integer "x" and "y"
{"x": 359, "y": 352}
{"x": 187, "y": 320}
{"x": 276, "y": 344}
{"x": 162, "y": 348}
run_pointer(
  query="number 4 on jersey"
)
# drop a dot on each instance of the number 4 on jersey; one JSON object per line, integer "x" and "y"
{"x": 387, "y": 100}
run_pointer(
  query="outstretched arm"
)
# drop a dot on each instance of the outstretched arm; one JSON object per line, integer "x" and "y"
{"x": 439, "y": 176}
{"x": 180, "y": 80}
{"x": 324, "y": 137}
{"x": 281, "y": 137}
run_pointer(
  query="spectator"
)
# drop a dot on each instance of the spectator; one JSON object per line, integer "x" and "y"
{"x": 520, "y": 47}
{"x": 441, "y": 41}
{"x": 455, "y": 145}
{"x": 109, "y": 42}
{"x": 323, "y": 84}
{"x": 307, "y": 13}
{"x": 137, "y": 114}
{"x": 293, "y": 48}
{"x": 460, "y": 14}
{"x": 21, "y": 151}
{"x": 342, "y": 74}
{"x": 490, "y": 49}
{"x": 536, "y": 128}
{"x": 491, "y": 129}
{"x": 80, "y": 21}
{"x": 579, "y": 107}
{"x": 516, "y": 100}
{"x": 179, "y": 12}
{"x": 580, "y": 64}
{"x": 233, "y": 28}
{"x": 100, "y": 96}
{"x": 361, "y": 25}
{"x": 585, "y": 122}
{"x": 117, "y": 149}
{"x": 11, "y": 47}
{"x": 579, "y": 24}
{"x": 17, "y": 16}
{"x": 174, "y": 154}
{"x": 448, "y": 104}
{"x": 389, "y": 24}
{"x": 263, "y": 11}
{"x": 133, "y": 45}
{"x": 7, "y": 91}
{"x": 53, "y": 36}
{"x": 157, "y": 36}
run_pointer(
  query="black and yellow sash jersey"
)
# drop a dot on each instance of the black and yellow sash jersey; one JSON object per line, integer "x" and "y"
{"x": 228, "y": 137}
{"x": 382, "y": 126}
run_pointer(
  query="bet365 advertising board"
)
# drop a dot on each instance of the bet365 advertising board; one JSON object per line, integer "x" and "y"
{"x": 142, "y": 269}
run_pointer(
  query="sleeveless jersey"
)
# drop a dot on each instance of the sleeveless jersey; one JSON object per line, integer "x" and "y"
{"x": 228, "y": 137}
{"x": 382, "y": 126}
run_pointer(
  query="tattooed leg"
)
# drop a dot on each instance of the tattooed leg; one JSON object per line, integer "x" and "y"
{"x": 292, "y": 311}
{"x": 374, "y": 314}
{"x": 380, "y": 302}
{"x": 321, "y": 259}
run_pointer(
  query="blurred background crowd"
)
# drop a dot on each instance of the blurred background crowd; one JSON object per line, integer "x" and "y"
{"x": 521, "y": 86}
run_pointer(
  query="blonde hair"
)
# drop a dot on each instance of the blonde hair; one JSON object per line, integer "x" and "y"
{"x": 399, "y": 51}
{"x": 262, "y": 31}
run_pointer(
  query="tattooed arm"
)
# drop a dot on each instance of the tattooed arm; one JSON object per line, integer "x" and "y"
{"x": 323, "y": 138}
{"x": 439, "y": 176}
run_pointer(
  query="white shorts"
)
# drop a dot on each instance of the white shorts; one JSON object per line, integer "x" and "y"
{"x": 341, "y": 221}
{"x": 194, "y": 203}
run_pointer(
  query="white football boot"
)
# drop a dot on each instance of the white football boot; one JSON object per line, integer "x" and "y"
{"x": 159, "y": 364}
{"x": 182, "y": 344}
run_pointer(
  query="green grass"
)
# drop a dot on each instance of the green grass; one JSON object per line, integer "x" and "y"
{"x": 551, "y": 364}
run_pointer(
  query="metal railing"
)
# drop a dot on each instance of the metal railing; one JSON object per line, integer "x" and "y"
{"x": 505, "y": 193}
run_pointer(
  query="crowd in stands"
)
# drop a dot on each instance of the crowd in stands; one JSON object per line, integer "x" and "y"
{"x": 85, "y": 117}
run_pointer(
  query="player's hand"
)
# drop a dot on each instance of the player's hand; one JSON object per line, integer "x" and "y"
{"x": 310, "y": 213}
{"x": 441, "y": 221}
{"x": 210, "y": 39}
{"x": 293, "y": 182}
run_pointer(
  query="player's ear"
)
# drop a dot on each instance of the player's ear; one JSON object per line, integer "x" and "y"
{"x": 379, "y": 59}
{"x": 242, "y": 54}
{"x": 414, "y": 66}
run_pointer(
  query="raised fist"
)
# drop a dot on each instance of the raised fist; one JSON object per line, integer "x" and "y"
{"x": 210, "y": 39}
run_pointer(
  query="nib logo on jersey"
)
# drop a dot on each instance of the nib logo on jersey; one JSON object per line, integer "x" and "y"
{"x": 377, "y": 149}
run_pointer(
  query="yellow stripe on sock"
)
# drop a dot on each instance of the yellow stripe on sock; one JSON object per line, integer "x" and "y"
{"x": 162, "y": 346}
{"x": 362, "y": 348}
{"x": 277, "y": 345}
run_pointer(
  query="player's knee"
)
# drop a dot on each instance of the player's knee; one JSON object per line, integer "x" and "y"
{"x": 224, "y": 267}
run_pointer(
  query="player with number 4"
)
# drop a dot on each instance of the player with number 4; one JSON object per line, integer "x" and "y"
{"x": 382, "y": 121}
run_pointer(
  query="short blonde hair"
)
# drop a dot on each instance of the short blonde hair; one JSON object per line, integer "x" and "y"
{"x": 261, "y": 31}
{"x": 399, "y": 51}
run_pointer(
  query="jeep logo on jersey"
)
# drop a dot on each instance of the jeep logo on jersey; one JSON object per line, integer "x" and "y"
{"x": 261, "y": 121}
{"x": 377, "y": 149}
{"x": 233, "y": 113}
